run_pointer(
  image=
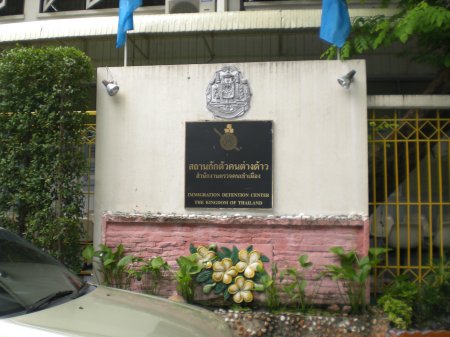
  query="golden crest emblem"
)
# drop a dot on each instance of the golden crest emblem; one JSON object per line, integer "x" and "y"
{"x": 228, "y": 140}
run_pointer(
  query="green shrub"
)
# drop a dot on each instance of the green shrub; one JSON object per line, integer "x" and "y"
{"x": 296, "y": 284}
{"x": 114, "y": 264}
{"x": 398, "y": 300}
{"x": 399, "y": 312}
{"x": 353, "y": 272}
{"x": 188, "y": 266}
{"x": 403, "y": 289}
{"x": 43, "y": 99}
{"x": 433, "y": 302}
{"x": 271, "y": 289}
{"x": 151, "y": 272}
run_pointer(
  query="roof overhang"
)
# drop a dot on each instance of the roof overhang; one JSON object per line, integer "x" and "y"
{"x": 171, "y": 23}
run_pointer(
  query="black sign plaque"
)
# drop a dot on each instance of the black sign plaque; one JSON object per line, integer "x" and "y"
{"x": 228, "y": 164}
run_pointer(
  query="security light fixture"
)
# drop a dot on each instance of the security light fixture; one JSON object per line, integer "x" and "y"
{"x": 347, "y": 79}
{"x": 111, "y": 87}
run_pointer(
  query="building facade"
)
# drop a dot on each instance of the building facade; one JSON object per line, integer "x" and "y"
{"x": 222, "y": 32}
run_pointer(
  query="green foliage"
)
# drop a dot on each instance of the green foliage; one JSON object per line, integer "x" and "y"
{"x": 188, "y": 267}
{"x": 353, "y": 272}
{"x": 397, "y": 301}
{"x": 115, "y": 266}
{"x": 43, "y": 95}
{"x": 434, "y": 296}
{"x": 297, "y": 283}
{"x": 88, "y": 253}
{"x": 425, "y": 23}
{"x": 403, "y": 289}
{"x": 270, "y": 289}
{"x": 399, "y": 313}
{"x": 151, "y": 272}
{"x": 408, "y": 303}
{"x": 119, "y": 269}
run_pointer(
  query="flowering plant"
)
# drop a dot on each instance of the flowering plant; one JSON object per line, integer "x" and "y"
{"x": 232, "y": 272}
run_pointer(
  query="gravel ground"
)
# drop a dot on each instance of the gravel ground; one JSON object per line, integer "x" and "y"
{"x": 264, "y": 324}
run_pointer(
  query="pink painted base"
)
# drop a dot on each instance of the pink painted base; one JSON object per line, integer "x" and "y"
{"x": 281, "y": 239}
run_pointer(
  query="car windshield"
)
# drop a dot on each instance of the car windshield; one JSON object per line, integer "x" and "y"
{"x": 29, "y": 278}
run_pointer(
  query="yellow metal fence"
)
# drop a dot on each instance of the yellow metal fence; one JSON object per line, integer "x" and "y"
{"x": 409, "y": 182}
{"x": 88, "y": 179}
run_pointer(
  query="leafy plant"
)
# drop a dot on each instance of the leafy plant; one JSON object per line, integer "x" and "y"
{"x": 403, "y": 289}
{"x": 408, "y": 303}
{"x": 353, "y": 272}
{"x": 270, "y": 289}
{"x": 427, "y": 23}
{"x": 88, "y": 255}
{"x": 114, "y": 265}
{"x": 152, "y": 272}
{"x": 399, "y": 312}
{"x": 297, "y": 283}
{"x": 398, "y": 300}
{"x": 188, "y": 267}
{"x": 43, "y": 99}
{"x": 434, "y": 295}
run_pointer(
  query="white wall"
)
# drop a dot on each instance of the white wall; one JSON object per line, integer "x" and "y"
{"x": 320, "y": 136}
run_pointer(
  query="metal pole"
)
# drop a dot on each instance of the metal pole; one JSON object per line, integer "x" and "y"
{"x": 125, "y": 52}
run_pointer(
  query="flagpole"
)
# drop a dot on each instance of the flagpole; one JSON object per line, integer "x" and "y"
{"x": 126, "y": 9}
{"x": 125, "y": 52}
{"x": 338, "y": 56}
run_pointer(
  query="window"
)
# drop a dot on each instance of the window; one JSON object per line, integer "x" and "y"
{"x": 51, "y": 6}
{"x": 11, "y": 7}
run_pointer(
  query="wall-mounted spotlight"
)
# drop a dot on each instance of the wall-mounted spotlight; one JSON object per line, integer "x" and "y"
{"x": 347, "y": 79}
{"x": 111, "y": 87}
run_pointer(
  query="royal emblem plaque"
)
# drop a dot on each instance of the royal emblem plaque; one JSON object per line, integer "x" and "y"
{"x": 228, "y": 93}
{"x": 228, "y": 165}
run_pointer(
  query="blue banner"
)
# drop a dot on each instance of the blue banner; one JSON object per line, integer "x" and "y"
{"x": 335, "y": 25}
{"x": 126, "y": 9}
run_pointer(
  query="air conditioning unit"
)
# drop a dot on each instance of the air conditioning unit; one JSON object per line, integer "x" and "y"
{"x": 190, "y": 6}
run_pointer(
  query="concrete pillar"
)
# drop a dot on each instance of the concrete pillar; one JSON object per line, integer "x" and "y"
{"x": 234, "y": 5}
{"x": 31, "y": 10}
{"x": 222, "y": 5}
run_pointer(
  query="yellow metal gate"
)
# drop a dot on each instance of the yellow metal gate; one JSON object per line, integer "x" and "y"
{"x": 409, "y": 188}
{"x": 88, "y": 179}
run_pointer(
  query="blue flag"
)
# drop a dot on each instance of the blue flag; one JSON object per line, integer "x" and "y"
{"x": 335, "y": 25}
{"x": 126, "y": 9}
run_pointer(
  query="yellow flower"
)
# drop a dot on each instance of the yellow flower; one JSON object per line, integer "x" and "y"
{"x": 249, "y": 263}
{"x": 241, "y": 290}
{"x": 224, "y": 271}
{"x": 205, "y": 256}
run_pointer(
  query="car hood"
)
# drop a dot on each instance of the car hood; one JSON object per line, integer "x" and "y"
{"x": 108, "y": 312}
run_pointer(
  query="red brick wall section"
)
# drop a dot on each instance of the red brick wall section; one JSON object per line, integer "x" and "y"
{"x": 281, "y": 239}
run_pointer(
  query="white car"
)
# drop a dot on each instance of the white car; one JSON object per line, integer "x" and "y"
{"x": 40, "y": 297}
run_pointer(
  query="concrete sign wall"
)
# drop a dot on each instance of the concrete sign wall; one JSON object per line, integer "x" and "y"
{"x": 319, "y": 137}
